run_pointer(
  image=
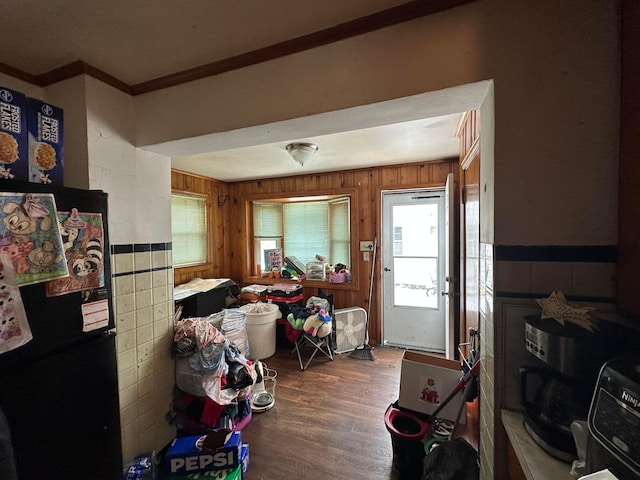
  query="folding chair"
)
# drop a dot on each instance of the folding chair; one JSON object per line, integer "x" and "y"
{"x": 318, "y": 344}
{"x": 323, "y": 345}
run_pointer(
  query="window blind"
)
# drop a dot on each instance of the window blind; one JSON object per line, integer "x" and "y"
{"x": 306, "y": 230}
{"x": 267, "y": 220}
{"x": 340, "y": 233}
{"x": 303, "y": 229}
{"x": 188, "y": 230}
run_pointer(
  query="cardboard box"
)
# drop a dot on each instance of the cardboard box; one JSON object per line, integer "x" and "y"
{"x": 426, "y": 381}
{"x": 45, "y": 124}
{"x": 230, "y": 474}
{"x": 14, "y": 143}
{"x": 237, "y": 473}
{"x": 188, "y": 455}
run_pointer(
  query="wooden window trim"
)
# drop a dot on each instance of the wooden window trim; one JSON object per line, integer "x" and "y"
{"x": 210, "y": 221}
{"x": 249, "y": 277}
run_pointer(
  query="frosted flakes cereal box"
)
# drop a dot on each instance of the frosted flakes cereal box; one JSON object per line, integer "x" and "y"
{"x": 46, "y": 155}
{"x": 14, "y": 154}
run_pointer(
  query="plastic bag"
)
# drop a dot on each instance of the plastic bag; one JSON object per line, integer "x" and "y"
{"x": 451, "y": 460}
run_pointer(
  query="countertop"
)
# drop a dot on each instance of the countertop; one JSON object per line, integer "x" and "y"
{"x": 536, "y": 464}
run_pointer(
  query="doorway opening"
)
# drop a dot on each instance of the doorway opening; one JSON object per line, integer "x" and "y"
{"x": 413, "y": 253}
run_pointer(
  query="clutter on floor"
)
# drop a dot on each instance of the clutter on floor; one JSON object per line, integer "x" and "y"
{"x": 260, "y": 323}
{"x": 312, "y": 326}
{"x": 212, "y": 400}
{"x": 423, "y": 421}
{"x": 263, "y": 396}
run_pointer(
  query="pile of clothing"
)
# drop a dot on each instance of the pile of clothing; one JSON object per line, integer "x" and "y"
{"x": 213, "y": 376}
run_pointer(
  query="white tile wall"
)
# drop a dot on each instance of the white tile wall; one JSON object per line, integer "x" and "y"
{"x": 582, "y": 279}
{"x": 143, "y": 291}
{"x": 486, "y": 347}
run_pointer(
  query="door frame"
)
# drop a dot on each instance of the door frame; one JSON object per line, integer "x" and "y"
{"x": 416, "y": 313}
{"x": 377, "y": 227}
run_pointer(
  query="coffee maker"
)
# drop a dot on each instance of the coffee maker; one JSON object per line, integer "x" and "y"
{"x": 556, "y": 388}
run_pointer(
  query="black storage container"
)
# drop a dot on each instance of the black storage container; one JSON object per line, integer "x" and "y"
{"x": 204, "y": 304}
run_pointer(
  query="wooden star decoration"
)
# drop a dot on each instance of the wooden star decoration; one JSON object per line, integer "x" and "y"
{"x": 557, "y": 307}
{"x": 554, "y": 307}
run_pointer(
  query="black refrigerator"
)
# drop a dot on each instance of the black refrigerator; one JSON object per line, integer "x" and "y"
{"x": 59, "y": 391}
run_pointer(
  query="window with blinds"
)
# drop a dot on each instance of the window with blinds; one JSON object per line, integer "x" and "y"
{"x": 303, "y": 229}
{"x": 188, "y": 230}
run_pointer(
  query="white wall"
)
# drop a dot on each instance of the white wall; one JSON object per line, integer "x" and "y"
{"x": 139, "y": 182}
{"x": 556, "y": 72}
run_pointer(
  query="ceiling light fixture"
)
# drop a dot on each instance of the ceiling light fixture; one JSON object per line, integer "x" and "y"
{"x": 301, "y": 152}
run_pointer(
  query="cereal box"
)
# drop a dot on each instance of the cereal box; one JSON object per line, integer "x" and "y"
{"x": 14, "y": 153}
{"x": 46, "y": 156}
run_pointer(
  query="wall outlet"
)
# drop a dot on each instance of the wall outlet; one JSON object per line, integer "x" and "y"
{"x": 366, "y": 246}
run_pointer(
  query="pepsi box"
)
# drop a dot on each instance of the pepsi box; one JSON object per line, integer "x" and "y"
{"x": 14, "y": 143}
{"x": 45, "y": 124}
{"x": 189, "y": 455}
{"x": 237, "y": 473}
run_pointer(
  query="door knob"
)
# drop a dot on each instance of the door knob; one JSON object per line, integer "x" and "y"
{"x": 386, "y": 269}
{"x": 445, "y": 294}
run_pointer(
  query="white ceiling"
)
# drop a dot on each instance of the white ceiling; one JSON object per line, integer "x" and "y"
{"x": 138, "y": 41}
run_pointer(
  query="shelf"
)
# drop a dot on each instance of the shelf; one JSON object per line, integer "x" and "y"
{"x": 326, "y": 285}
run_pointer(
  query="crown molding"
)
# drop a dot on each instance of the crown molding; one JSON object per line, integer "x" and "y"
{"x": 385, "y": 18}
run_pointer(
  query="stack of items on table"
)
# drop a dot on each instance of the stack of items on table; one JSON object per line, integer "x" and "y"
{"x": 286, "y": 296}
{"x": 252, "y": 293}
{"x": 213, "y": 375}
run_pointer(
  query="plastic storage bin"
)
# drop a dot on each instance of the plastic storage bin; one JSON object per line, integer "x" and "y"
{"x": 261, "y": 329}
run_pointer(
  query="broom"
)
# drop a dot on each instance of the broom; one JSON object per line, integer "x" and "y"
{"x": 364, "y": 352}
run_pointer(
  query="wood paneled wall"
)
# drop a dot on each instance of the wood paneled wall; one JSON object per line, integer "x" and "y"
{"x": 364, "y": 184}
{"x": 230, "y": 255}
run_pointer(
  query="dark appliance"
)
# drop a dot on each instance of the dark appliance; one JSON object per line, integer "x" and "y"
{"x": 59, "y": 392}
{"x": 613, "y": 439}
{"x": 203, "y": 304}
{"x": 557, "y": 390}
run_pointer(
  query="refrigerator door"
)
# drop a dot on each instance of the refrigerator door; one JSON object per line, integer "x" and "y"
{"x": 57, "y": 322}
{"x": 63, "y": 414}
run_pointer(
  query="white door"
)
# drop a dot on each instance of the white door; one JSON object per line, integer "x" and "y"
{"x": 413, "y": 268}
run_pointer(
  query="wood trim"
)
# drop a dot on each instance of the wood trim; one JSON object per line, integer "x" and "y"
{"x": 79, "y": 68}
{"x": 359, "y": 26}
{"x": 209, "y": 227}
{"x": 470, "y": 154}
{"x": 385, "y": 18}
{"x": 249, "y": 261}
{"x": 19, "y": 74}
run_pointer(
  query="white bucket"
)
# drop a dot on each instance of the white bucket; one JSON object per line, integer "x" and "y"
{"x": 261, "y": 331}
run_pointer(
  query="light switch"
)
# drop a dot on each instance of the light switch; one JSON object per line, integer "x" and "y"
{"x": 366, "y": 246}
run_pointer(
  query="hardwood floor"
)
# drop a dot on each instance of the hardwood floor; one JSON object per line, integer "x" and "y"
{"x": 328, "y": 420}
